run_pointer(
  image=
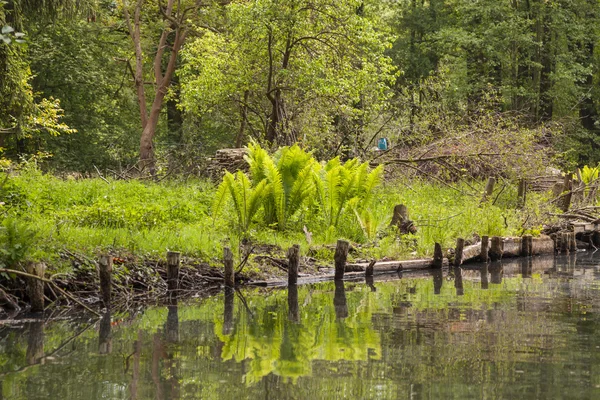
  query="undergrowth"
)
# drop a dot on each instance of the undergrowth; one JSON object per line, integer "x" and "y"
{"x": 43, "y": 215}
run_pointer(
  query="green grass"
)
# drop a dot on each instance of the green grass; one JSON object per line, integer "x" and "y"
{"x": 146, "y": 219}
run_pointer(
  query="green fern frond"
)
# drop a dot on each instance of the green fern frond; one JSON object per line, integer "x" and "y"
{"x": 276, "y": 192}
{"x": 221, "y": 195}
{"x": 302, "y": 188}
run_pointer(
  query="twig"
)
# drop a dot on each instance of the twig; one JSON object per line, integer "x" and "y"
{"x": 100, "y": 175}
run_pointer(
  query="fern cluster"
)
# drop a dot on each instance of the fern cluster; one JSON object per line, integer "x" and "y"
{"x": 291, "y": 183}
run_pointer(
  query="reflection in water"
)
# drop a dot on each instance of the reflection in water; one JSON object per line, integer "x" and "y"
{"x": 35, "y": 342}
{"x": 104, "y": 335}
{"x": 228, "y": 310}
{"x": 293, "y": 308}
{"x": 339, "y": 300}
{"x": 484, "y": 276}
{"x": 496, "y": 272}
{"x": 526, "y": 267}
{"x": 438, "y": 280}
{"x": 370, "y": 283}
{"x": 496, "y": 341}
{"x": 458, "y": 281}
{"x": 172, "y": 324}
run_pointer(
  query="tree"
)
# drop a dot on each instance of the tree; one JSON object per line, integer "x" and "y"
{"x": 290, "y": 71}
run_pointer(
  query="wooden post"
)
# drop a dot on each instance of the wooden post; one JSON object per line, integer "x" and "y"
{"x": 35, "y": 342}
{"x": 483, "y": 272}
{"x": 489, "y": 189}
{"x": 341, "y": 254}
{"x": 172, "y": 325}
{"x": 485, "y": 248}
{"x": 438, "y": 256}
{"x": 105, "y": 264}
{"x": 293, "y": 262}
{"x": 228, "y": 298}
{"x": 172, "y": 270}
{"x": 401, "y": 221}
{"x": 496, "y": 249}
{"x": 458, "y": 253}
{"x": 573, "y": 242}
{"x": 567, "y": 188}
{"x": 228, "y": 262}
{"x": 522, "y": 195}
{"x": 370, "y": 267}
{"x": 526, "y": 245}
{"x": 35, "y": 287}
{"x": 458, "y": 281}
{"x": 564, "y": 243}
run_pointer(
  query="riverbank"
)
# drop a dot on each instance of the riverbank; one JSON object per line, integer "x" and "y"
{"x": 69, "y": 223}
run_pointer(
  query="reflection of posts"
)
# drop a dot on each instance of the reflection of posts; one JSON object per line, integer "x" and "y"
{"x": 228, "y": 311}
{"x": 438, "y": 280}
{"x": 105, "y": 336}
{"x": 369, "y": 280}
{"x": 35, "y": 342}
{"x": 484, "y": 276}
{"x": 339, "y": 300}
{"x": 496, "y": 272}
{"x": 293, "y": 308}
{"x": 526, "y": 267}
{"x": 458, "y": 282}
{"x": 172, "y": 325}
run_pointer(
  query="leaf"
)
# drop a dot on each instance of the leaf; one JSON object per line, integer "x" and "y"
{"x": 6, "y": 39}
{"x": 19, "y": 34}
{"x": 7, "y": 29}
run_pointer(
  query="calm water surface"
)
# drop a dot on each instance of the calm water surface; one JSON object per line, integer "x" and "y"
{"x": 518, "y": 330}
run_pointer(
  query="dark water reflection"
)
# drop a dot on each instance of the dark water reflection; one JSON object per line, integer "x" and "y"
{"x": 522, "y": 329}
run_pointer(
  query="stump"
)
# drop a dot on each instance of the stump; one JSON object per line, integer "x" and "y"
{"x": 35, "y": 287}
{"x": 497, "y": 249}
{"x": 401, "y": 221}
{"x": 105, "y": 264}
{"x": 438, "y": 256}
{"x": 293, "y": 262}
{"x": 485, "y": 245}
{"x": 572, "y": 242}
{"x": 369, "y": 269}
{"x": 564, "y": 243}
{"x": 527, "y": 246}
{"x": 341, "y": 254}
{"x": 458, "y": 252}
{"x": 489, "y": 189}
{"x": 567, "y": 192}
{"x": 228, "y": 263}
{"x": 173, "y": 270}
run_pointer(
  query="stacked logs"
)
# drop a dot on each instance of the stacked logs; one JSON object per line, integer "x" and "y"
{"x": 231, "y": 160}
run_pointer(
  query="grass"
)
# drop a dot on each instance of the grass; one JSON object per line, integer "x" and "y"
{"x": 146, "y": 219}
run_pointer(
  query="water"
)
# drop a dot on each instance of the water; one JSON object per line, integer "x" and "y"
{"x": 526, "y": 330}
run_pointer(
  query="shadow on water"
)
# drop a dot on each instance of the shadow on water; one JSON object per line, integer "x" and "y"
{"x": 500, "y": 330}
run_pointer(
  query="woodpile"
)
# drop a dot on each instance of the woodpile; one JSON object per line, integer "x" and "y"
{"x": 231, "y": 160}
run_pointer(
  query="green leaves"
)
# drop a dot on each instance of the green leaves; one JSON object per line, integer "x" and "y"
{"x": 7, "y": 33}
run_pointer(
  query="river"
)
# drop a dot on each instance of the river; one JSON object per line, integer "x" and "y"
{"x": 522, "y": 329}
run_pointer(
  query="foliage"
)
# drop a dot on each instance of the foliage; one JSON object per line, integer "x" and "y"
{"x": 17, "y": 242}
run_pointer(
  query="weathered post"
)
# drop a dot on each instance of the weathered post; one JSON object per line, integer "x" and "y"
{"x": 438, "y": 256}
{"x": 526, "y": 245}
{"x": 522, "y": 193}
{"x": 105, "y": 264}
{"x": 572, "y": 242}
{"x": 341, "y": 254}
{"x": 458, "y": 252}
{"x": 370, "y": 268}
{"x": 596, "y": 239}
{"x": 496, "y": 249}
{"x": 567, "y": 192}
{"x": 35, "y": 287}
{"x": 489, "y": 189}
{"x": 228, "y": 262}
{"x": 401, "y": 220}
{"x": 485, "y": 247}
{"x": 564, "y": 243}
{"x": 173, "y": 270}
{"x": 293, "y": 262}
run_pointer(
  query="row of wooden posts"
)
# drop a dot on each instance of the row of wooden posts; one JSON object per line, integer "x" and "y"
{"x": 565, "y": 243}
